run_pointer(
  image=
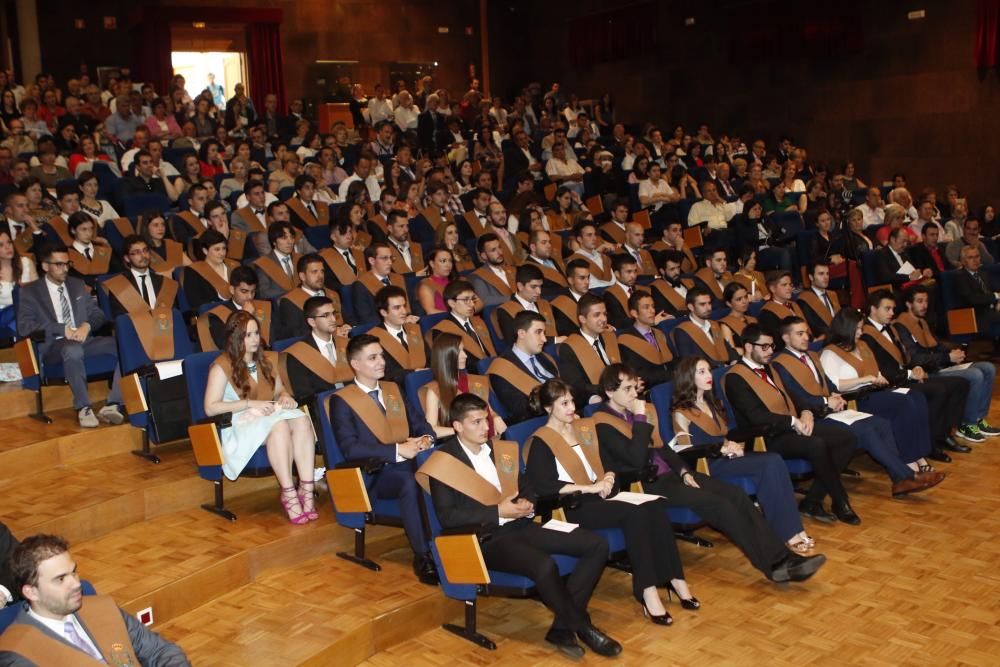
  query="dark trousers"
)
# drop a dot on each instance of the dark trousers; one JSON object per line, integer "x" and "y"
{"x": 946, "y": 398}
{"x": 727, "y": 509}
{"x": 908, "y": 415}
{"x": 524, "y": 547}
{"x": 828, "y": 451}
{"x": 396, "y": 481}
{"x": 649, "y": 537}
{"x": 875, "y": 437}
{"x": 774, "y": 488}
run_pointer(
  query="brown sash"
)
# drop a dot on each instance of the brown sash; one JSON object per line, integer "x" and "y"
{"x": 155, "y": 330}
{"x": 254, "y": 225}
{"x": 124, "y": 226}
{"x": 338, "y": 265}
{"x": 477, "y": 227}
{"x": 617, "y": 292}
{"x": 809, "y": 298}
{"x": 451, "y": 472}
{"x": 399, "y": 266}
{"x": 174, "y": 258}
{"x": 558, "y": 221}
{"x": 587, "y": 356}
{"x": 262, "y": 311}
{"x": 513, "y": 307}
{"x": 707, "y": 276}
{"x": 388, "y": 428}
{"x": 90, "y": 267}
{"x": 781, "y": 311}
{"x": 373, "y": 284}
{"x": 551, "y": 275}
{"x": 616, "y": 233}
{"x": 260, "y": 390}
{"x": 647, "y": 267}
{"x": 521, "y": 380}
{"x": 412, "y": 359}
{"x": 322, "y": 211}
{"x": 298, "y": 297}
{"x": 756, "y": 278}
{"x": 433, "y": 217}
{"x": 658, "y": 355}
{"x": 602, "y": 273}
{"x": 61, "y": 228}
{"x": 716, "y": 348}
{"x": 316, "y": 363}
{"x": 918, "y": 329}
{"x": 218, "y": 283}
{"x": 478, "y": 385}
{"x": 567, "y": 306}
{"x": 712, "y": 424}
{"x": 623, "y": 427}
{"x": 886, "y": 345}
{"x": 380, "y": 222}
{"x": 277, "y": 274}
{"x": 131, "y": 299}
{"x": 471, "y": 347}
{"x": 774, "y": 397}
{"x": 866, "y": 365}
{"x": 803, "y": 375}
{"x": 24, "y": 241}
{"x": 237, "y": 244}
{"x": 488, "y": 276}
{"x": 194, "y": 223}
{"x": 586, "y": 434}
{"x": 103, "y": 622}
{"x": 672, "y": 296}
{"x": 738, "y": 322}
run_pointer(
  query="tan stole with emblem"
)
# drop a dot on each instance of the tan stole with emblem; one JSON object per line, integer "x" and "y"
{"x": 373, "y": 284}
{"x": 219, "y": 284}
{"x": 322, "y": 217}
{"x": 884, "y": 343}
{"x": 194, "y": 223}
{"x": 866, "y": 365}
{"x": 781, "y": 311}
{"x": 707, "y": 276}
{"x": 688, "y": 264}
{"x": 623, "y": 427}
{"x": 103, "y": 622}
{"x": 260, "y": 389}
{"x": 672, "y": 296}
{"x": 471, "y": 346}
{"x": 317, "y": 363}
{"x": 90, "y": 267}
{"x": 399, "y": 264}
{"x": 237, "y": 244}
{"x": 616, "y": 233}
{"x": 155, "y": 329}
{"x": 587, "y": 356}
{"x": 774, "y": 397}
{"x": 388, "y": 428}
{"x": 918, "y": 329}
{"x": 810, "y": 298}
{"x": 755, "y": 279}
{"x": 254, "y": 224}
{"x": 411, "y": 359}
{"x": 712, "y": 424}
{"x": 61, "y": 228}
{"x": 512, "y": 308}
{"x": 174, "y": 257}
{"x": 552, "y": 275}
{"x": 24, "y": 241}
{"x": 380, "y": 222}
{"x": 567, "y": 306}
{"x": 738, "y": 322}
{"x": 298, "y": 297}
{"x": 262, "y": 311}
{"x": 586, "y": 435}
{"x": 131, "y": 299}
{"x": 489, "y": 276}
{"x": 478, "y": 229}
{"x": 617, "y": 292}
{"x": 599, "y": 272}
{"x": 803, "y": 374}
{"x": 558, "y": 221}
{"x": 715, "y": 348}
{"x": 523, "y": 381}
{"x": 277, "y": 274}
{"x": 433, "y": 217}
{"x": 451, "y": 472}
{"x": 338, "y": 265}
{"x": 660, "y": 354}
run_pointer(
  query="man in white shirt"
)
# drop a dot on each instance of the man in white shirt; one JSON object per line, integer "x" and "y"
{"x": 654, "y": 191}
{"x": 362, "y": 172}
{"x": 379, "y": 107}
{"x": 592, "y": 249}
{"x": 873, "y": 209}
{"x": 564, "y": 172}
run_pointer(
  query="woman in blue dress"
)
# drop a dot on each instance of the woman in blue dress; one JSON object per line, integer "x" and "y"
{"x": 244, "y": 381}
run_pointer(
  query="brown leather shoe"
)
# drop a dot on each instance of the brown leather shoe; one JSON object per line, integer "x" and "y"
{"x": 931, "y": 478}
{"x": 907, "y": 486}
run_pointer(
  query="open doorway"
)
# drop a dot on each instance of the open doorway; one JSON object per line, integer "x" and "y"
{"x": 228, "y": 68}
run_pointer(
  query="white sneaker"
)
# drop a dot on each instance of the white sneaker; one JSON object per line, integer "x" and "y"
{"x": 110, "y": 414}
{"x": 87, "y": 418}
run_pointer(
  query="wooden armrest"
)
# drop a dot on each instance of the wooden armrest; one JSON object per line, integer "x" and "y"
{"x": 348, "y": 491}
{"x": 462, "y": 559}
{"x": 962, "y": 321}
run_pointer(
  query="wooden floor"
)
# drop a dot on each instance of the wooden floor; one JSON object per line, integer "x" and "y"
{"x": 917, "y": 583}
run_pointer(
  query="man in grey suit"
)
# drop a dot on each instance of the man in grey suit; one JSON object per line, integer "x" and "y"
{"x": 494, "y": 280}
{"x": 63, "y": 309}
{"x": 58, "y": 625}
{"x": 276, "y": 273}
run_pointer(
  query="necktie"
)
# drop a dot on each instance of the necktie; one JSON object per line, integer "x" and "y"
{"x": 87, "y": 254}
{"x": 385, "y": 281}
{"x": 331, "y": 354}
{"x": 76, "y": 640}
{"x": 350, "y": 261}
{"x": 312, "y": 211}
{"x": 145, "y": 289}
{"x": 537, "y": 370}
{"x": 286, "y": 262}
{"x": 763, "y": 375}
{"x": 402, "y": 339}
{"x": 826, "y": 300}
{"x": 258, "y": 212}
{"x": 651, "y": 339}
{"x": 600, "y": 351}
{"x": 374, "y": 394}
{"x": 475, "y": 337}
{"x": 67, "y": 312}
{"x": 803, "y": 359}
{"x": 638, "y": 257}
{"x": 980, "y": 282}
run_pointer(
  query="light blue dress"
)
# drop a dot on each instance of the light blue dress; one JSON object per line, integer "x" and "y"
{"x": 248, "y": 432}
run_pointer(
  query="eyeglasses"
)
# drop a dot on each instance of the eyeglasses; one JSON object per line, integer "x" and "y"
{"x": 332, "y": 313}
{"x": 467, "y": 299}
{"x": 61, "y": 265}
{"x": 764, "y": 346}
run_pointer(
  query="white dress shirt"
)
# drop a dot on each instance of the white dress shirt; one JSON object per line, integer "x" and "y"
{"x": 140, "y": 278}
{"x": 648, "y": 189}
{"x": 590, "y": 341}
{"x": 482, "y": 463}
{"x": 328, "y": 348}
{"x": 57, "y": 303}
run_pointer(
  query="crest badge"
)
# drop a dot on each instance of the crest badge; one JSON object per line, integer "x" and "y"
{"x": 506, "y": 464}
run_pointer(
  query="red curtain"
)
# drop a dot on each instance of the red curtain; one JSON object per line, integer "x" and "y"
{"x": 265, "y": 64}
{"x": 987, "y": 32}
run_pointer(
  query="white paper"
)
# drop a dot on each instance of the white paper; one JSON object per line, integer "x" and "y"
{"x": 169, "y": 369}
{"x": 848, "y": 417}
{"x": 901, "y": 390}
{"x": 959, "y": 367}
{"x": 561, "y": 526}
{"x": 634, "y": 498}
{"x": 906, "y": 269}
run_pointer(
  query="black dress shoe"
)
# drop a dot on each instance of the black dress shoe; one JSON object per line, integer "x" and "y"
{"x": 598, "y": 642}
{"x": 565, "y": 641}
{"x": 951, "y": 445}
{"x": 426, "y": 571}
{"x": 801, "y": 568}
{"x": 816, "y": 511}
{"x": 937, "y": 454}
{"x": 845, "y": 513}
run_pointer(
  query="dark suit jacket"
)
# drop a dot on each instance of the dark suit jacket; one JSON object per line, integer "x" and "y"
{"x": 364, "y": 303}
{"x": 929, "y": 358}
{"x": 289, "y": 321}
{"x": 428, "y": 128}
{"x": 688, "y": 348}
{"x": 356, "y": 441}
{"x": 573, "y": 373}
{"x": 651, "y": 372}
{"x": 116, "y": 307}
{"x": 198, "y": 290}
{"x": 618, "y": 316}
{"x": 921, "y": 258}
{"x": 620, "y": 454}
{"x": 267, "y": 288}
{"x": 970, "y": 294}
{"x": 802, "y": 399}
{"x": 751, "y": 413}
{"x": 891, "y": 369}
{"x": 36, "y": 312}
{"x": 510, "y": 396}
{"x": 394, "y": 371}
{"x": 886, "y": 267}
{"x": 305, "y": 384}
{"x": 181, "y": 231}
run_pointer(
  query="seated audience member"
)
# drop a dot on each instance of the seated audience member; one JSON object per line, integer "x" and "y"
{"x": 946, "y": 395}
{"x": 528, "y": 280}
{"x": 890, "y": 259}
{"x": 191, "y": 223}
{"x": 974, "y": 289}
{"x": 24, "y": 229}
{"x": 494, "y": 280}
{"x": 819, "y": 303}
{"x": 244, "y": 380}
{"x": 542, "y": 253}
{"x": 15, "y": 270}
{"x": 441, "y": 272}
{"x": 522, "y": 367}
{"x": 399, "y": 334}
{"x": 90, "y": 255}
{"x": 563, "y": 457}
{"x": 655, "y": 192}
{"x": 700, "y": 336}
{"x": 318, "y": 361}
{"x": 634, "y": 246}
{"x": 585, "y": 353}
{"x": 856, "y": 242}
{"x": 970, "y": 237}
{"x": 872, "y": 210}
{"x": 57, "y": 624}
{"x": 138, "y": 289}
{"x": 940, "y": 358}
{"x": 564, "y": 306}
{"x": 565, "y": 172}
{"x": 828, "y": 246}
{"x": 343, "y": 258}
{"x": 207, "y": 280}
{"x": 251, "y": 218}
{"x": 447, "y": 236}
{"x": 668, "y": 290}
{"x": 57, "y": 227}
{"x": 626, "y": 273}
{"x": 762, "y": 406}
{"x": 895, "y": 218}
{"x": 501, "y": 502}
{"x": 592, "y": 250}
{"x": 613, "y": 231}
{"x": 738, "y": 299}
{"x": 165, "y": 254}
{"x": 748, "y": 275}
{"x": 242, "y": 288}
{"x": 673, "y": 239}
{"x": 303, "y": 208}
{"x": 642, "y": 345}
{"x": 372, "y": 418}
{"x": 61, "y": 307}
{"x": 448, "y": 368}
{"x": 699, "y": 420}
{"x": 276, "y": 272}
{"x": 713, "y": 276}
{"x": 290, "y": 321}
{"x": 803, "y": 377}
{"x": 462, "y": 321}
{"x": 407, "y": 257}
{"x": 378, "y": 257}
{"x": 928, "y": 254}
{"x": 629, "y": 440}
{"x": 713, "y": 214}
{"x": 237, "y": 247}
{"x": 780, "y": 305}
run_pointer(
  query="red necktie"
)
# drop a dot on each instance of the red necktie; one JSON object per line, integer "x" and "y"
{"x": 763, "y": 375}
{"x": 803, "y": 359}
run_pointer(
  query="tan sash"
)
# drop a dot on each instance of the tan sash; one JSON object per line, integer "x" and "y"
{"x": 707, "y": 276}
{"x": 262, "y": 311}
{"x": 586, "y": 434}
{"x": 471, "y": 347}
{"x": 124, "y": 226}
{"x": 712, "y": 424}
{"x": 477, "y": 227}
{"x": 623, "y": 427}
{"x": 814, "y": 303}
{"x": 617, "y": 292}
{"x": 433, "y": 217}
{"x": 601, "y": 273}
{"x": 488, "y": 276}
{"x": 781, "y": 311}
{"x": 451, "y": 472}
{"x": 803, "y": 375}
{"x": 411, "y": 359}
{"x": 616, "y": 233}
{"x": 61, "y": 228}
{"x": 277, "y": 274}
{"x": 254, "y": 225}
{"x": 513, "y": 307}
{"x": 558, "y": 221}
{"x": 131, "y": 299}
{"x": 91, "y": 267}
{"x": 381, "y": 222}
{"x": 399, "y": 265}
{"x": 688, "y": 264}
{"x": 388, "y": 428}
{"x": 174, "y": 258}
{"x": 716, "y": 348}
{"x": 316, "y": 363}
{"x": 338, "y": 265}
{"x": 567, "y": 306}
{"x": 237, "y": 244}
{"x": 644, "y": 349}
{"x": 755, "y": 278}
{"x": 886, "y": 345}
{"x": 866, "y": 365}
{"x": 218, "y": 283}
{"x": 298, "y": 297}
{"x": 260, "y": 390}
{"x": 587, "y": 356}
{"x": 551, "y": 275}
{"x": 24, "y": 241}
{"x": 373, "y": 284}
{"x": 921, "y": 334}
{"x": 193, "y": 222}
{"x": 737, "y": 323}
{"x": 322, "y": 217}
{"x": 672, "y": 296}
{"x": 103, "y": 622}
{"x": 479, "y": 385}
{"x": 647, "y": 267}
{"x": 521, "y": 380}
{"x": 774, "y": 397}
{"x": 155, "y": 330}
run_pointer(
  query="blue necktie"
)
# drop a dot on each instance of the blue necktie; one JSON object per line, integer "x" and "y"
{"x": 374, "y": 394}
{"x": 536, "y": 369}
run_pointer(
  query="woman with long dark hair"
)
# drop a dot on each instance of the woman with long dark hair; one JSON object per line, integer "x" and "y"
{"x": 244, "y": 380}
{"x": 430, "y": 290}
{"x": 165, "y": 254}
{"x": 737, "y": 297}
{"x": 451, "y": 378}
{"x": 446, "y": 236}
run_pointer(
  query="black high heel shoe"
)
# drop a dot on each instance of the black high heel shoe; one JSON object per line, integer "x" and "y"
{"x": 691, "y": 604}
{"x": 663, "y": 619}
